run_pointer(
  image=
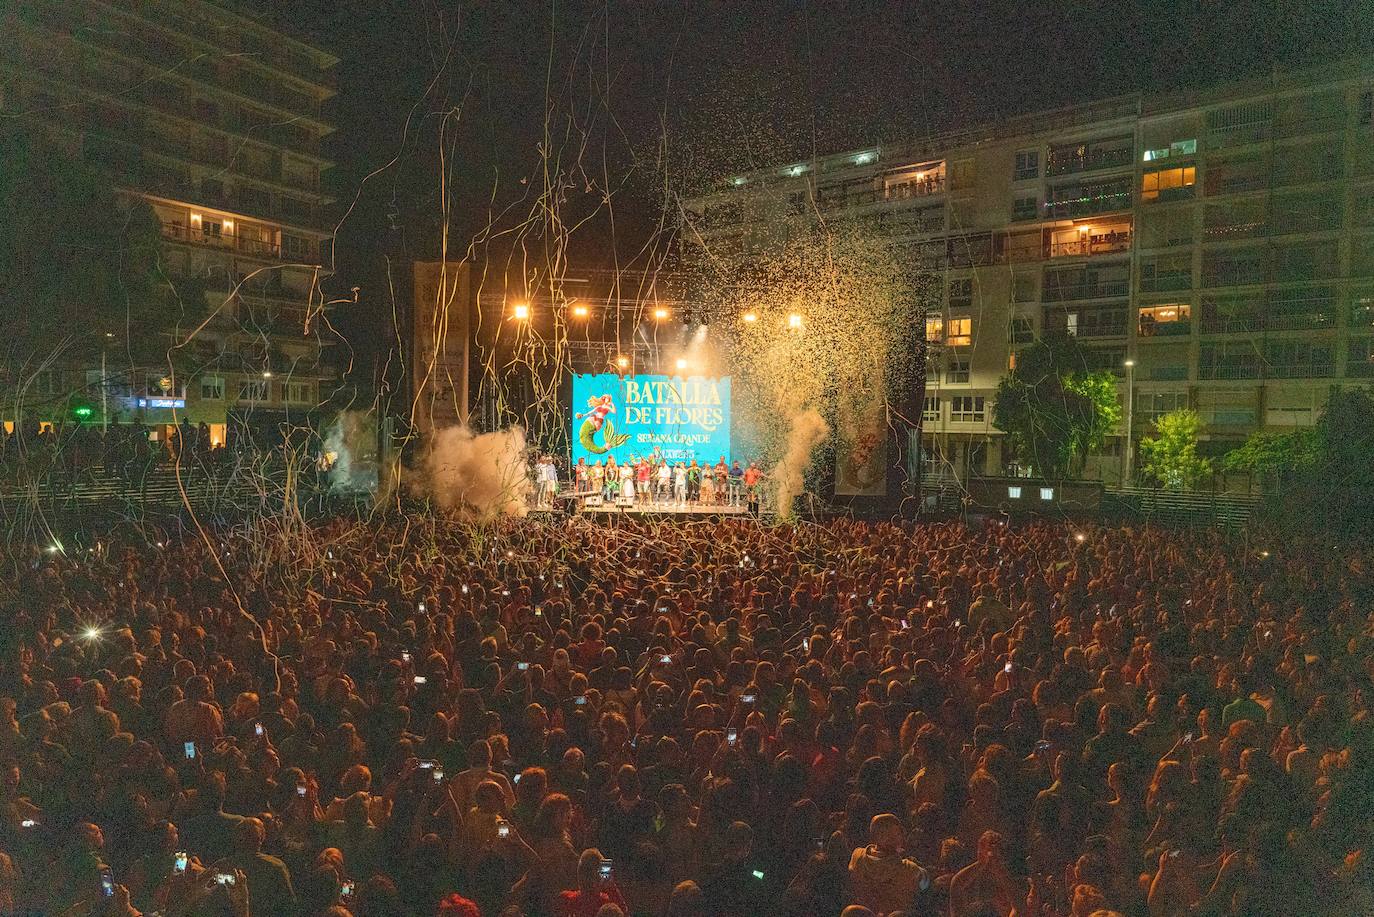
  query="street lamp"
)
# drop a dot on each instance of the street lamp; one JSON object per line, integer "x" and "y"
{"x": 521, "y": 312}
{"x": 1130, "y": 418}
{"x": 794, "y": 320}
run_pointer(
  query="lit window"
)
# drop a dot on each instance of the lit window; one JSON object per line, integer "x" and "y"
{"x": 1168, "y": 184}
{"x": 960, "y": 332}
{"x": 1166, "y": 319}
{"x": 935, "y": 328}
{"x": 1183, "y": 148}
{"x": 1047, "y": 493}
{"x": 1156, "y": 155}
{"x": 1013, "y": 493}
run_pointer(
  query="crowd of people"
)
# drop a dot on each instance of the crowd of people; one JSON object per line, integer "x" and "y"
{"x": 653, "y": 480}
{"x": 689, "y": 719}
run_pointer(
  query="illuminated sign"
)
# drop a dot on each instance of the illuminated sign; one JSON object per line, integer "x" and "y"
{"x": 632, "y": 416}
{"x": 162, "y": 402}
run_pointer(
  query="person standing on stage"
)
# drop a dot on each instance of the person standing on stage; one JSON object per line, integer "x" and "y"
{"x": 612, "y": 478}
{"x": 736, "y": 483}
{"x": 708, "y": 485}
{"x": 693, "y": 482}
{"x": 596, "y": 477}
{"x": 663, "y": 489}
{"x": 581, "y": 474}
{"x": 680, "y": 483}
{"x": 722, "y": 479}
{"x": 627, "y": 480}
{"x": 752, "y": 477}
{"x": 642, "y": 481}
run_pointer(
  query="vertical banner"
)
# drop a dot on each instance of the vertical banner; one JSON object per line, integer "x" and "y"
{"x": 631, "y": 417}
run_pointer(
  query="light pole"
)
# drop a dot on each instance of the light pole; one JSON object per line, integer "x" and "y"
{"x": 1130, "y": 418}
{"x": 104, "y": 387}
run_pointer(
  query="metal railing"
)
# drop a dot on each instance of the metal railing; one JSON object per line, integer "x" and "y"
{"x": 1108, "y": 244}
{"x": 1068, "y": 163}
{"x": 180, "y": 232}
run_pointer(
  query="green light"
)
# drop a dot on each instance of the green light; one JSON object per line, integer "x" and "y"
{"x": 82, "y": 412}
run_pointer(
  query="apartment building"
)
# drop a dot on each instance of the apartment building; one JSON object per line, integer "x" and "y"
{"x": 216, "y": 122}
{"x": 1215, "y": 250}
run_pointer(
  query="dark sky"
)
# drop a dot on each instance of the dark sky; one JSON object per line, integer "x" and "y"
{"x": 642, "y": 98}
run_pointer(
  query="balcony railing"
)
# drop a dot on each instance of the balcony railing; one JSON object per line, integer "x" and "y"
{"x": 1088, "y": 205}
{"x": 1166, "y": 283}
{"x": 1067, "y": 163}
{"x": 915, "y": 188}
{"x": 1106, "y": 244}
{"x": 180, "y": 232}
{"x": 1100, "y": 289}
{"x": 1149, "y": 328}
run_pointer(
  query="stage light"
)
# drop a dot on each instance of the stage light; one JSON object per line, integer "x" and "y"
{"x": 794, "y": 320}
{"x": 92, "y": 633}
{"x": 521, "y": 312}
{"x": 267, "y": 374}
{"x": 681, "y": 364}
{"x": 622, "y": 361}
{"x": 660, "y": 314}
{"x": 579, "y": 311}
{"x": 1080, "y": 537}
{"x": 751, "y": 317}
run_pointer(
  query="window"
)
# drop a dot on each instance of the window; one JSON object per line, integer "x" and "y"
{"x": 212, "y": 229}
{"x": 960, "y": 332}
{"x": 1013, "y": 492}
{"x": 961, "y": 293}
{"x": 1168, "y": 184}
{"x": 957, "y": 371}
{"x": 211, "y": 388}
{"x": 1150, "y": 406}
{"x": 297, "y": 392}
{"x": 1022, "y": 329}
{"x": 1047, "y": 493}
{"x": 931, "y": 411}
{"x": 961, "y": 174}
{"x": 1023, "y": 288}
{"x": 1025, "y": 208}
{"x": 47, "y": 382}
{"x": 296, "y": 248}
{"x": 1177, "y": 148}
{"x": 967, "y": 409}
{"x": 1027, "y": 165}
{"x": 1165, "y": 320}
{"x": 1359, "y": 362}
{"x": 253, "y": 390}
{"x": 1298, "y": 359}
{"x": 935, "y": 329}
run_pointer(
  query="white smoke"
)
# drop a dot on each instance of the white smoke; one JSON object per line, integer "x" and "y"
{"x": 477, "y": 474}
{"x": 807, "y": 430}
{"x": 351, "y": 452}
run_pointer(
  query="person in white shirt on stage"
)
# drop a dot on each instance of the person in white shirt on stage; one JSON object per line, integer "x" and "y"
{"x": 680, "y": 483}
{"x": 663, "y": 491}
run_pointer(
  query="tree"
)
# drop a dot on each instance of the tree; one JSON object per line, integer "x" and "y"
{"x": 1053, "y": 409}
{"x": 1170, "y": 457}
{"x": 1326, "y": 478}
{"x": 1272, "y": 455}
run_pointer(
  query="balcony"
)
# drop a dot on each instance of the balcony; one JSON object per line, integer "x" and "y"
{"x": 1089, "y": 201}
{"x": 1110, "y": 243}
{"x": 1166, "y": 282}
{"x": 1087, "y": 289}
{"x": 180, "y": 232}
{"x": 1068, "y": 162}
{"x": 1163, "y": 321}
{"x": 916, "y": 187}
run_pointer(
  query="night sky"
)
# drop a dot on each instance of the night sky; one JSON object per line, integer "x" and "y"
{"x": 650, "y": 99}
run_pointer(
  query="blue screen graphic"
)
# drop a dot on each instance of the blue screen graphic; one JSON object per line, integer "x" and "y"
{"x": 633, "y": 416}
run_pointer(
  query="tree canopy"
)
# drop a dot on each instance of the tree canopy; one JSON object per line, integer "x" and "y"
{"x": 1053, "y": 409}
{"x": 1170, "y": 457}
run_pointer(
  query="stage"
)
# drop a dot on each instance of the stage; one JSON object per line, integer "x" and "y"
{"x": 593, "y": 506}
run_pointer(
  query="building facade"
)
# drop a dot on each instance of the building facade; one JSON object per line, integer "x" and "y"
{"x": 1214, "y": 250}
{"x": 216, "y": 122}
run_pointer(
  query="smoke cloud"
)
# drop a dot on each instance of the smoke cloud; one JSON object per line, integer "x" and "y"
{"x": 351, "y": 447}
{"x": 483, "y": 475}
{"x": 807, "y": 430}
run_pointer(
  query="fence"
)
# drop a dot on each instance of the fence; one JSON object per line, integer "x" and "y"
{"x": 1166, "y": 507}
